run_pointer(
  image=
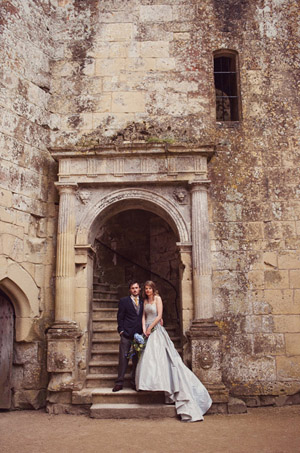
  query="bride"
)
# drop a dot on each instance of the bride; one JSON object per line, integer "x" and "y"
{"x": 161, "y": 368}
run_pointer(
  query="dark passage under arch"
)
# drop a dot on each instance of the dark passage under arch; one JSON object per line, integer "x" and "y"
{"x": 6, "y": 350}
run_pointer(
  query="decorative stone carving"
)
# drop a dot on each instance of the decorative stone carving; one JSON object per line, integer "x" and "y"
{"x": 84, "y": 196}
{"x": 204, "y": 337}
{"x": 142, "y": 196}
{"x": 180, "y": 195}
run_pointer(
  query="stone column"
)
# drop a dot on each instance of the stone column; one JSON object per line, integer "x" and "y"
{"x": 202, "y": 284}
{"x": 204, "y": 335}
{"x": 64, "y": 334}
{"x": 185, "y": 250}
{"x": 65, "y": 258}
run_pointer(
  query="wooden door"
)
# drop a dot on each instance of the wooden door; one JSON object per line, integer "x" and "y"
{"x": 6, "y": 350}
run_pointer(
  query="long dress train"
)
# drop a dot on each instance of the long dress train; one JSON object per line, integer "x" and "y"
{"x": 161, "y": 368}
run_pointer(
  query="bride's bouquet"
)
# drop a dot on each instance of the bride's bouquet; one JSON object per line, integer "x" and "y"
{"x": 138, "y": 344}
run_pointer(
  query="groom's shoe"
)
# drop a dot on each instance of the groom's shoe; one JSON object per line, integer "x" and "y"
{"x": 117, "y": 387}
{"x": 133, "y": 386}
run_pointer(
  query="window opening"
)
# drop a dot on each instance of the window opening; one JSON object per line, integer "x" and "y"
{"x": 225, "y": 74}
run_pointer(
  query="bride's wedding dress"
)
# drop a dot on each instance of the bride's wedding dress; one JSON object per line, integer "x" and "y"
{"x": 161, "y": 368}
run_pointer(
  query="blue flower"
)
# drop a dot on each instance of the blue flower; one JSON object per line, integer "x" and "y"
{"x": 139, "y": 338}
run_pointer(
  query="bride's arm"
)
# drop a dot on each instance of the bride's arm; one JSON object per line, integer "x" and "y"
{"x": 144, "y": 322}
{"x": 159, "y": 307}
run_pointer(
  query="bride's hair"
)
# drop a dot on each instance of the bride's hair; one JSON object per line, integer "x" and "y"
{"x": 152, "y": 285}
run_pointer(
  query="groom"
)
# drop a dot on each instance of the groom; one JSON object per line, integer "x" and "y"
{"x": 129, "y": 317}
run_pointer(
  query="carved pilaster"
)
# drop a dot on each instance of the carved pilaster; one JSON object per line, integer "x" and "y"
{"x": 64, "y": 333}
{"x": 202, "y": 284}
{"x": 65, "y": 260}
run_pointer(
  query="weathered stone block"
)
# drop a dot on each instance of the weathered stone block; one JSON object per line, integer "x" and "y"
{"x": 256, "y": 279}
{"x": 109, "y": 67}
{"x": 61, "y": 356}
{"x": 282, "y": 301}
{"x": 268, "y": 344}
{"x": 156, "y": 13}
{"x": 59, "y": 397}
{"x": 292, "y": 342}
{"x": 247, "y": 368}
{"x": 154, "y": 49}
{"x": 116, "y": 32}
{"x": 289, "y": 260}
{"x": 295, "y": 278}
{"x": 287, "y": 323}
{"x": 128, "y": 102}
{"x": 276, "y": 279}
{"x": 26, "y": 353}
{"x": 29, "y": 399}
{"x": 288, "y": 368}
{"x": 236, "y": 406}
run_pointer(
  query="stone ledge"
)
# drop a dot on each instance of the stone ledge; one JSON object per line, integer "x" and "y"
{"x": 107, "y": 411}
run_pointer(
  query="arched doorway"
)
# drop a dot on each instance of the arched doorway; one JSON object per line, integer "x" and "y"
{"x": 140, "y": 244}
{"x": 95, "y": 185}
{"x": 6, "y": 349}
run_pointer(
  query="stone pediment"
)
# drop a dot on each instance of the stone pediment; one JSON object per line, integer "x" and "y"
{"x": 134, "y": 163}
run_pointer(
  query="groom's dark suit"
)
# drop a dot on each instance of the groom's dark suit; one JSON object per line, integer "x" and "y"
{"x": 129, "y": 322}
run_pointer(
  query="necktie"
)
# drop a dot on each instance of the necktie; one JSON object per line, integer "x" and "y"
{"x": 136, "y": 301}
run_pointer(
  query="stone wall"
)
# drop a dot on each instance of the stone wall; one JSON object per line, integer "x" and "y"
{"x": 27, "y": 210}
{"x": 143, "y": 70}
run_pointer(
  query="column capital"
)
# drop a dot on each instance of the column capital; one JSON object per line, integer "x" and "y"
{"x": 184, "y": 247}
{"x": 199, "y": 185}
{"x": 66, "y": 187}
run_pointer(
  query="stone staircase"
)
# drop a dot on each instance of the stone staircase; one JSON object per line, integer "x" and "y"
{"x": 103, "y": 366}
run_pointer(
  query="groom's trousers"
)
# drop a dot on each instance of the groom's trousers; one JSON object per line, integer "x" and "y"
{"x": 124, "y": 348}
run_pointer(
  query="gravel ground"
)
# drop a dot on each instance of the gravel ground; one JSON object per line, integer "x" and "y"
{"x": 261, "y": 430}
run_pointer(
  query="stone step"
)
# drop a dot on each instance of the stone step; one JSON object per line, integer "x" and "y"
{"x": 105, "y": 303}
{"x": 100, "y": 286}
{"x": 105, "y": 343}
{"x": 126, "y": 396}
{"x": 105, "y": 355}
{"x": 105, "y": 294}
{"x": 106, "y": 334}
{"x": 104, "y": 323}
{"x": 117, "y": 411}
{"x": 104, "y": 380}
{"x": 105, "y": 367}
{"x": 100, "y": 314}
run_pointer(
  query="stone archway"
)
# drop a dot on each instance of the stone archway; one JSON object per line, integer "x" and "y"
{"x": 168, "y": 180}
{"x": 138, "y": 244}
{"x": 161, "y": 203}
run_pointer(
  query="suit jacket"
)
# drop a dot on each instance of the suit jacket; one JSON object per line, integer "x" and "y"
{"x": 129, "y": 321}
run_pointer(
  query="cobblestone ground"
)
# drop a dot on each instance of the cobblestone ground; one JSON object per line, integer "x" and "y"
{"x": 272, "y": 430}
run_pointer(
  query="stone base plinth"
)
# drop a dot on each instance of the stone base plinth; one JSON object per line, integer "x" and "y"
{"x": 204, "y": 337}
{"x": 62, "y": 341}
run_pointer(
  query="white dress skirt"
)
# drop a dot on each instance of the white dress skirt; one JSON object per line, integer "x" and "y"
{"x": 161, "y": 368}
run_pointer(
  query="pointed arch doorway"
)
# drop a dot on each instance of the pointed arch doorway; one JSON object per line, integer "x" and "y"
{"x": 7, "y": 327}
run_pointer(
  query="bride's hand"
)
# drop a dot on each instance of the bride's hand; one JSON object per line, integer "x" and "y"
{"x": 148, "y": 331}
